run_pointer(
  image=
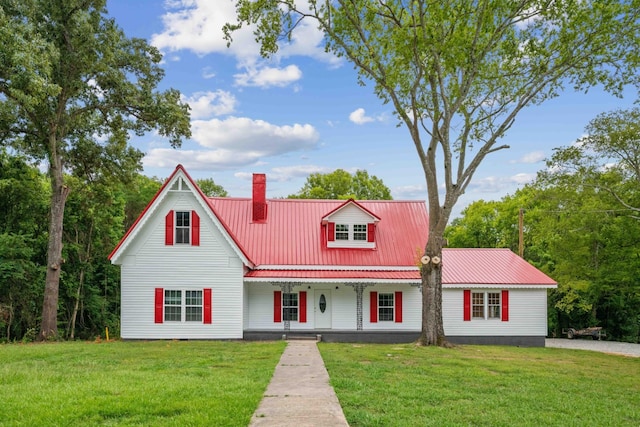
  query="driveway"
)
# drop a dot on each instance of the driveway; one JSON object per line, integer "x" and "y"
{"x": 613, "y": 347}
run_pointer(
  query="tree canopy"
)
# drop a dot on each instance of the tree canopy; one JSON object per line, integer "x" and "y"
{"x": 458, "y": 73}
{"x": 340, "y": 184}
{"x": 73, "y": 88}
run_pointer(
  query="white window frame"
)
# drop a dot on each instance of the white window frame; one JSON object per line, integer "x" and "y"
{"x": 287, "y": 309}
{"x": 490, "y": 310}
{"x": 184, "y": 231}
{"x": 190, "y": 309}
{"x": 388, "y": 296}
{"x": 349, "y": 229}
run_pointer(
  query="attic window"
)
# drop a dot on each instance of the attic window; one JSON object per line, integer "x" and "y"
{"x": 342, "y": 231}
{"x": 182, "y": 227}
{"x": 360, "y": 232}
{"x": 351, "y": 235}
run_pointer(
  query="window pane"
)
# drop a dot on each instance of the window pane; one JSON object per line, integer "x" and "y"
{"x": 477, "y": 299}
{"x": 342, "y": 232}
{"x": 194, "y": 314}
{"x": 172, "y": 313}
{"x": 360, "y": 232}
{"x": 172, "y": 297}
{"x": 194, "y": 298}
{"x": 182, "y": 227}
{"x": 493, "y": 305}
{"x": 385, "y": 314}
{"x": 385, "y": 307}
{"x": 182, "y": 219}
{"x": 290, "y": 313}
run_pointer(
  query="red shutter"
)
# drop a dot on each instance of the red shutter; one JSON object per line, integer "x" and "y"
{"x": 505, "y": 306}
{"x": 332, "y": 231}
{"x": 206, "y": 306}
{"x": 195, "y": 229}
{"x": 373, "y": 306}
{"x": 371, "y": 232}
{"x": 467, "y": 305}
{"x": 168, "y": 229}
{"x": 302, "y": 306}
{"x": 398, "y": 303}
{"x": 159, "y": 305}
{"x": 277, "y": 306}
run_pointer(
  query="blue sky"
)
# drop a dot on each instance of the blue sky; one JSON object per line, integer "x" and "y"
{"x": 303, "y": 112}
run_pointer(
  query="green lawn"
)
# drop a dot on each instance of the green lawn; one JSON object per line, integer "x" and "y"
{"x": 405, "y": 385}
{"x": 172, "y": 383}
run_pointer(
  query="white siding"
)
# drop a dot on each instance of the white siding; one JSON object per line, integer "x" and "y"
{"x": 343, "y": 310}
{"x": 527, "y": 315}
{"x": 150, "y": 264}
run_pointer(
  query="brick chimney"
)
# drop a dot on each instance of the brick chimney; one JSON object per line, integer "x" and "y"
{"x": 259, "y": 197}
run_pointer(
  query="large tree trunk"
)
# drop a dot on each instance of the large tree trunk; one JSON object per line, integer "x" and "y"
{"x": 432, "y": 326}
{"x": 59, "y": 196}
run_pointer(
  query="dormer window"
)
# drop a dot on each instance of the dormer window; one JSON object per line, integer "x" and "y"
{"x": 350, "y": 226}
{"x": 360, "y": 232}
{"x": 342, "y": 231}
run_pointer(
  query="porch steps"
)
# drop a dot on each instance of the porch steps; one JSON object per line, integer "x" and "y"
{"x": 309, "y": 337}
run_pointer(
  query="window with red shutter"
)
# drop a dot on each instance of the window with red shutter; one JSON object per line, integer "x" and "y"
{"x": 206, "y": 306}
{"x": 371, "y": 231}
{"x": 159, "y": 304}
{"x": 331, "y": 232}
{"x": 195, "y": 229}
{"x": 505, "y": 305}
{"x": 277, "y": 306}
{"x": 168, "y": 229}
{"x": 303, "y": 306}
{"x": 373, "y": 307}
{"x": 398, "y": 304}
{"x": 467, "y": 305}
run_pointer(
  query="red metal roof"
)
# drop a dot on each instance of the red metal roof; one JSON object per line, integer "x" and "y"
{"x": 489, "y": 266}
{"x": 459, "y": 267}
{"x": 293, "y": 235}
{"x": 335, "y": 274}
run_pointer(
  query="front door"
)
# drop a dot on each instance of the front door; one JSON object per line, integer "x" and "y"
{"x": 322, "y": 308}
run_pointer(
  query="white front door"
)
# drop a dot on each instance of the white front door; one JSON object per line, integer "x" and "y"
{"x": 322, "y": 308}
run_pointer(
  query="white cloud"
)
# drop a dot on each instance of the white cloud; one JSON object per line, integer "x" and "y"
{"x": 235, "y": 142}
{"x": 196, "y": 25}
{"x": 244, "y": 134}
{"x": 207, "y": 104}
{"x": 286, "y": 173}
{"x": 495, "y": 184}
{"x": 359, "y": 117}
{"x": 207, "y": 73}
{"x": 532, "y": 157}
{"x": 269, "y": 76}
{"x": 410, "y": 192}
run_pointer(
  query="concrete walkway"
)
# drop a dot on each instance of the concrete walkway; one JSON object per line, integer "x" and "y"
{"x": 299, "y": 393}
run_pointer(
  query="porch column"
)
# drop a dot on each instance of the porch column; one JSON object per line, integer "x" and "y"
{"x": 287, "y": 288}
{"x": 359, "y": 288}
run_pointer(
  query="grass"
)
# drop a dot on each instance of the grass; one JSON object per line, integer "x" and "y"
{"x": 405, "y": 385}
{"x": 161, "y": 383}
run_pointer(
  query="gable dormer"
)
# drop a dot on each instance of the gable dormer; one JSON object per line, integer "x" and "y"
{"x": 350, "y": 225}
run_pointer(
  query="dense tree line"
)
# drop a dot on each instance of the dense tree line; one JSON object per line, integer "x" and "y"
{"x": 97, "y": 216}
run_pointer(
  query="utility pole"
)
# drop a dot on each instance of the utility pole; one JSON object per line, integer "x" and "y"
{"x": 521, "y": 232}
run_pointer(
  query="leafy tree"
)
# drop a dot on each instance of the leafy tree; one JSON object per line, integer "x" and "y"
{"x": 458, "y": 73}
{"x": 73, "y": 87}
{"x": 608, "y": 158}
{"x": 210, "y": 188}
{"x": 138, "y": 194}
{"x": 340, "y": 184}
